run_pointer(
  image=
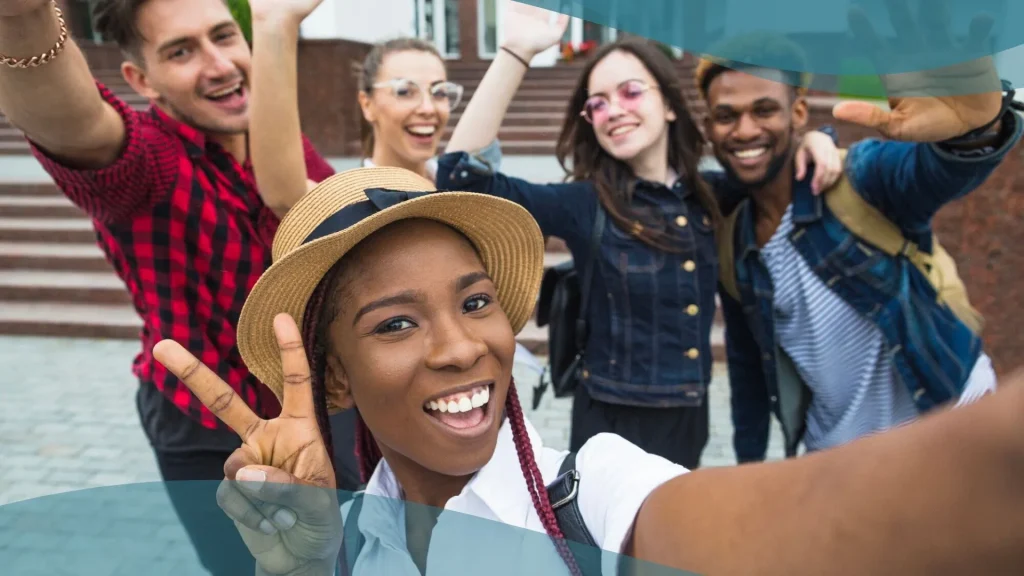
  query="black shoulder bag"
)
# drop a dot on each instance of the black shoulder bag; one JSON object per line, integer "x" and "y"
{"x": 562, "y": 307}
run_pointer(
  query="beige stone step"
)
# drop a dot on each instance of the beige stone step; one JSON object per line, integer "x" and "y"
{"x": 53, "y": 230}
{"x": 69, "y": 320}
{"x": 46, "y": 256}
{"x": 63, "y": 286}
{"x": 49, "y": 206}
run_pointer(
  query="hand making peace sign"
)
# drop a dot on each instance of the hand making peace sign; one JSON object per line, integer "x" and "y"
{"x": 284, "y": 502}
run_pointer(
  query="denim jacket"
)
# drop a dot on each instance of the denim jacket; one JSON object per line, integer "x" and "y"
{"x": 932, "y": 351}
{"x": 651, "y": 311}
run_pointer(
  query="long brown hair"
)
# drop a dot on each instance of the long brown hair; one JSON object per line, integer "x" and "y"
{"x": 614, "y": 180}
{"x": 368, "y": 76}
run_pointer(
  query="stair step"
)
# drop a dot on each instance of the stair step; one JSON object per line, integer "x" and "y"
{"x": 113, "y": 321}
{"x": 53, "y": 257}
{"x": 64, "y": 230}
{"x": 54, "y": 206}
{"x": 62, "y": 286}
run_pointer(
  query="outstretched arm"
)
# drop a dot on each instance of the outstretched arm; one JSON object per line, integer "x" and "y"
{"x": 528, "y": 31}
{"x": 275, "y": 133}
{"x": 942, "y": 495}
{"x": 57, "y": 104}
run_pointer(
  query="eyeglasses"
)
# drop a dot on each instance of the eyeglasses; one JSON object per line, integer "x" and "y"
{"x": 629, "y": 93}
{"x": 410, "y": 93}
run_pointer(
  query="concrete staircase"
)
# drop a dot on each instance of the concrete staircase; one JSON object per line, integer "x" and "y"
{"x": 55, "y": 281}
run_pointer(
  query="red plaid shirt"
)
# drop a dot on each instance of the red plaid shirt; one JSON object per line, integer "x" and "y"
{"x": 181, "y": 222}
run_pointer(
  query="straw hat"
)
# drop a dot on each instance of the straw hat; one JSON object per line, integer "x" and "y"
{"x": 346, "y": 208}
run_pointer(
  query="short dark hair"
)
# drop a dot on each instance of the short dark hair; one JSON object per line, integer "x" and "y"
{"x": 738, "y": 54}
{"x": 116, "y": 21}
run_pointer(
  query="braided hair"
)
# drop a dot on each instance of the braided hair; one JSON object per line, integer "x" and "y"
{"x": 320, "y": 313}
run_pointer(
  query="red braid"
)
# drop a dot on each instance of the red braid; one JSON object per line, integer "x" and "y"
{"x": 367, "y": 452}
{"x": 317, "y": 367}
{"x": 534, "y": 480}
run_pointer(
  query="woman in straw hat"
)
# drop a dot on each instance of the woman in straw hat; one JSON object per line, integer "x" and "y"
{"x": 409, "y": 301}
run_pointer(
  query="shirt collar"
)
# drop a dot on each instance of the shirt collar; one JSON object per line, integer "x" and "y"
{"x": 431, "y": 166}
{"x": 499, "y": 486}
{"x": 195, "y": 140}
{"x": 806, "y": 208}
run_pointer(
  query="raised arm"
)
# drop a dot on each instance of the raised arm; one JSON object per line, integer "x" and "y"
{"x": 275, "y": 133}
{"x": 528, "y": 31}
{"x": 55, "y": 104}
{"x": 940, "y": 496}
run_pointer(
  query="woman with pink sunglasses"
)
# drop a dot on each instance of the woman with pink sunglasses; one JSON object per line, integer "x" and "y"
{"x": 635, "y": 151}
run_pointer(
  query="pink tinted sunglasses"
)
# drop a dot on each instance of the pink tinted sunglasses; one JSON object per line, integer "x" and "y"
{"x": 629, "y": 93}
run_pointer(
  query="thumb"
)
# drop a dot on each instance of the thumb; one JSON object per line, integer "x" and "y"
{"x": 863, "y": 113}
{"x": 275, "y": 486}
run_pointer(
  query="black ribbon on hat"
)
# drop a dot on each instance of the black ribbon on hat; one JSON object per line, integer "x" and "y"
{"x": 378, "y": 199}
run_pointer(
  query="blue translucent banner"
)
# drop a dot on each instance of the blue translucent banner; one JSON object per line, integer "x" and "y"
{"x": 140, "y": 529}
{"x": 835, "y": 37}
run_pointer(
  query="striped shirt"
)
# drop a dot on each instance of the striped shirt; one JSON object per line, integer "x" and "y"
{"x": 841, "y": 355}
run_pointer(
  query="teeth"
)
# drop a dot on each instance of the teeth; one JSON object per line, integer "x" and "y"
{"x": 462, "y": 402}
{"x": 225, "y": 91}
{"x": 750, "y": 153}
{"x": 622, "y": 129}
{"x": 422, "y": 130}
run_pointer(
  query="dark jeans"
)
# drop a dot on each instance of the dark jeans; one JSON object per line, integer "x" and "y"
{"x": 677, "y": 434}
{"x": 191, "y": 481}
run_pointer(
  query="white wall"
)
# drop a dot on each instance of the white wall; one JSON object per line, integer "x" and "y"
{"x": 367, "y": 21}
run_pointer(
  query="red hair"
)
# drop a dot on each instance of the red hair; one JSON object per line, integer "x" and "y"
{"x": 368, "y": 453}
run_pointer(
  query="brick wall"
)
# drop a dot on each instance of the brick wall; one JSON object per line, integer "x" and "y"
{"x": 328, "y": 76}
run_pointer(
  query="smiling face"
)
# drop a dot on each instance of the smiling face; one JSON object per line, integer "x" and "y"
{"x": 409, "y": 105}
{"x": 751, "y": 123}
{"x": 421, "y": 346}
{"x": 626, "y": 109}
{"x": 195, "y": 64}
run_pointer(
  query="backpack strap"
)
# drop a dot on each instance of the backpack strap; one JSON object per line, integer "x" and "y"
{"x": 562, "y": 493}
{"x": 588, "y": 275}
{"x": 582, "y": 326}
{"x": 727, "y": 254}
{"x": 867, "y": 222}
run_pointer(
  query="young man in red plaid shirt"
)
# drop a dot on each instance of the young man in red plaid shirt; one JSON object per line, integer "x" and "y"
{"x": 173, "y": 201}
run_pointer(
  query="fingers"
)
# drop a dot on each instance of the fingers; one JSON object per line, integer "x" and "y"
{"x": 298, "y": 388}
{"x": 275, "y": 486}
{"x": 210, "y": 389}
{"x": 800, "y": 162}
{"x": 863, "y": 113}
{"x": 978, "y": 34}
{"x": 255, "y": 515}
{"x": 903, "y": 23}
{"x": 826, "y": 173}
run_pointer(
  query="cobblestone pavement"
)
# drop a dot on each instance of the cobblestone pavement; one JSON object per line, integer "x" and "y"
{"x": 68, "y": 423}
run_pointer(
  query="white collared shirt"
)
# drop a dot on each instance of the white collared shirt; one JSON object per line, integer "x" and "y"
{"x": 487, "y": 536}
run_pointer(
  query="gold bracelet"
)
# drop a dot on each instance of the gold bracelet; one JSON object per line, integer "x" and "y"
{"x": 47, "y": 56}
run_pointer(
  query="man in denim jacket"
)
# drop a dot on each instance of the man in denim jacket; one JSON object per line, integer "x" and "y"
{"x": 836, "y": 338}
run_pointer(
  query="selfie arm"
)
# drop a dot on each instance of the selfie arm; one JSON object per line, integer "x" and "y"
{"x": 939, "y": 496}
